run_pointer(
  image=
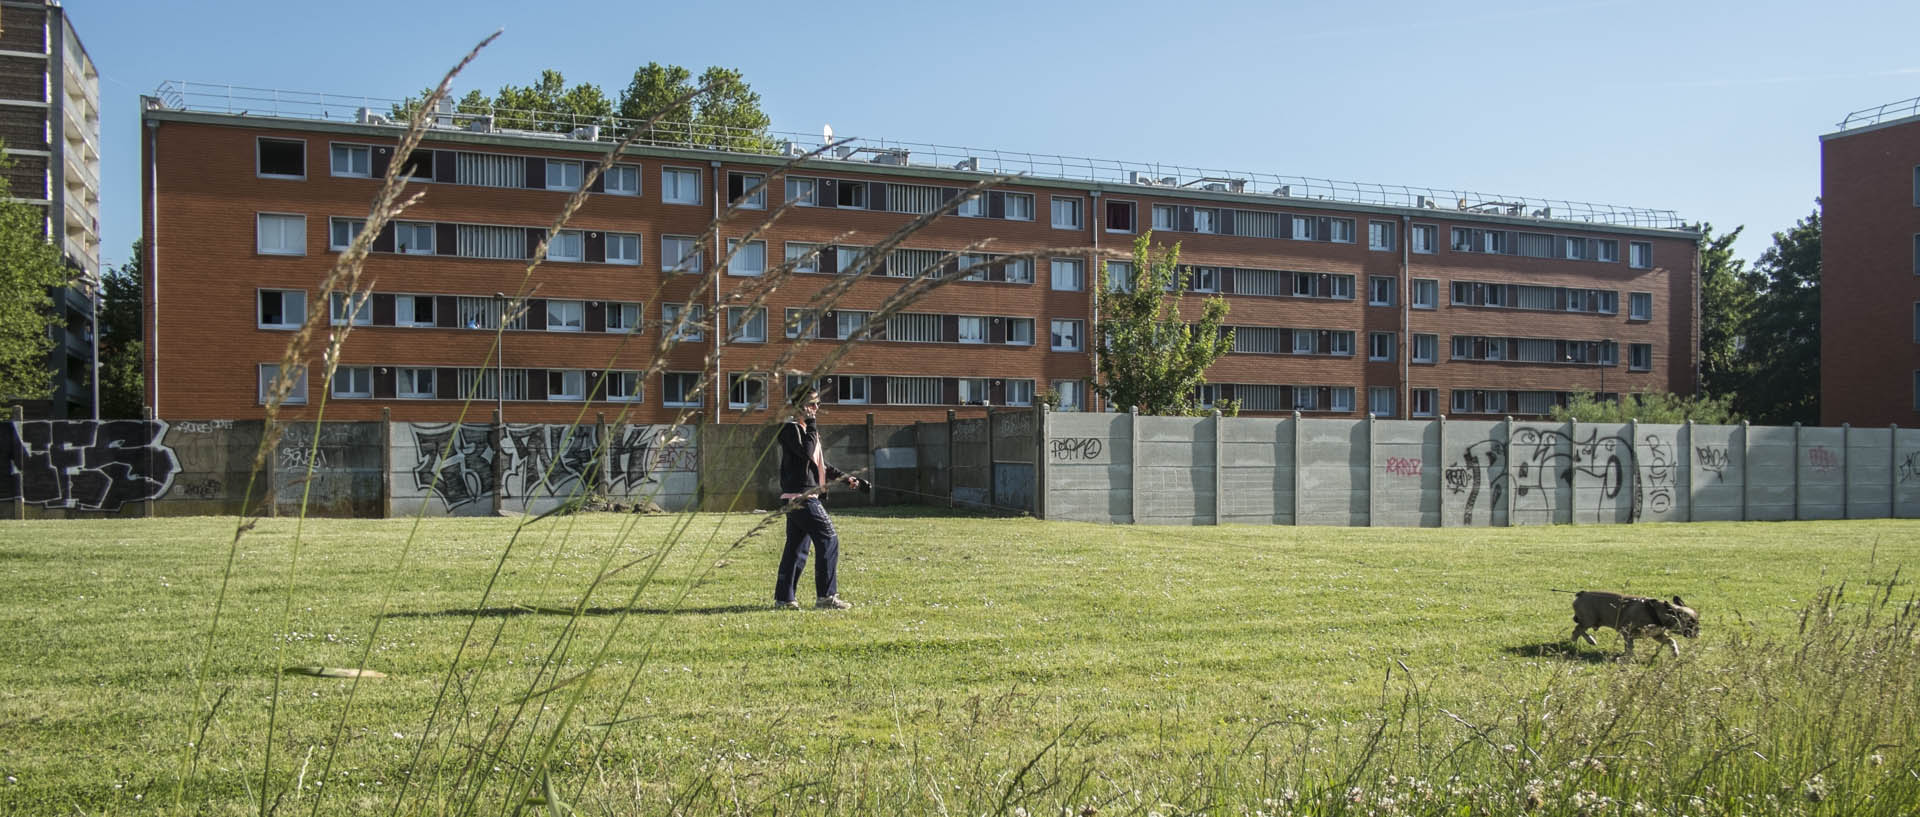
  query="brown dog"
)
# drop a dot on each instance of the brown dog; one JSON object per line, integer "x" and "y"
{"x": 1633, "y": 616}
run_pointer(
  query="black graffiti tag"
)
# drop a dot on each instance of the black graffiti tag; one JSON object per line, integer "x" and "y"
{"x": 88, "y": 465}
{"x": 1910, "y": 466}
{"x": 1068, "y": 449}
{"x": 1712, "y": 459}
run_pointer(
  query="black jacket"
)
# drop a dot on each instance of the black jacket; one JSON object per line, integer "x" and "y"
{"x": 797, "y": 438}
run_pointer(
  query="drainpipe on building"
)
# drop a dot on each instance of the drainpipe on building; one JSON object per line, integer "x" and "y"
{"x": 721, "y": 386}
{"x": 1096, "y": 278}
{"x": 1405, "y": 409}
{"x": 152, "y": 248}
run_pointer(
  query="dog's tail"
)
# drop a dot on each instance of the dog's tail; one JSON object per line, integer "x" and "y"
{"x": 1568, "y": 592}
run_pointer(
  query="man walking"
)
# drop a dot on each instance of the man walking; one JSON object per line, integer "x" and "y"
{"x": 804, "y": 476}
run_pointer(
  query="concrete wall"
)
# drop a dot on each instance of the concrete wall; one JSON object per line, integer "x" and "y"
{"x": 1474, "y": 454}
{"x": 1403, "y": 475}
{"x": 1256, "y": 471}
{"x": 1176, "y": 459}
{"x": 1331, "y": 473}
{"x": 456, "y": 471}
{"x": 1089, "y": 467}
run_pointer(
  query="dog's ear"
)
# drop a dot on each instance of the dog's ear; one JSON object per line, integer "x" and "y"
{"x": 1678, "y": 603}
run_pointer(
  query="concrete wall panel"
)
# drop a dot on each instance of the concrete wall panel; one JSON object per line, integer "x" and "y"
{"x": 1716, "y": 472}
{"x": 1332, "y": 467}
{"x": 1870, "y": 473}
{"x": 1906, "y": 473}
{"x": 1660, "y": 472}
{"x": 1089, "y": 467}
{"x": 1770, "y": 473}
{"x": 1406, "y": 473}
{"x": 1822, "y": 464}
{"x": 1474, "y": 479}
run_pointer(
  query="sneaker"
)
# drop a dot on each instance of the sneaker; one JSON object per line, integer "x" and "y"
{"x": 786, "y": 605}
{"x": 832, "y": 603}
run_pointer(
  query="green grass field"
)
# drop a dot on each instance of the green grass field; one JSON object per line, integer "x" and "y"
{"x": 991, "y": 666}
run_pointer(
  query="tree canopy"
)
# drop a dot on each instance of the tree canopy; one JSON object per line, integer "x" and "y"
{"x": 122, "y": 373}
{"x": 1726, "y": 304}
{"x": 30, "y": 266}
{"x": 1778, "y": 362}
{"x": 727, "y": 115}
{"x": 1149, "y": 356}
{"x": 1646, "y": 407}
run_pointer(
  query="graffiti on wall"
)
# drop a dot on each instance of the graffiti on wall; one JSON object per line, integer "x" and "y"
{"x": 1539, "y": 461}
{"x": 460, "y": 467}
{"x": 1712, "y": 459}
{"x": 1075, "y": 449}
{"x": 1823, "y": 460}
{"x": 86, "y": 465}
{"x": 1910, "y": 467}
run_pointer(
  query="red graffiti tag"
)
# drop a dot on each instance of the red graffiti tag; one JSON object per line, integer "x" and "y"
{"x": 1403, "y": 466}
{"x": 1822, "y": 459}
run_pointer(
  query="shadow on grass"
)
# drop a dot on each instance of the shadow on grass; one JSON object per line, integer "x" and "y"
{"x": 505, "y": 612}
{"x": 1562, "y": 650}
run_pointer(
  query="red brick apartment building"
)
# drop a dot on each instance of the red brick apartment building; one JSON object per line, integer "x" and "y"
{"x": 1870, "y": 268}
{"x": 1346, "y": 299}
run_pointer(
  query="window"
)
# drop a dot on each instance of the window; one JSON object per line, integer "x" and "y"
{"x": 623, "y": 317}
{"x": 1205, "y": 220}
{"x": 680, "y": 389}
{"x": 1303, "y": 284}
{"x": 1072, "y": 394}
{"x": 413, "y": 384}
{"x": 1019, "y": 206}
{"x": 1306, "y": 398}
{"x": 1426, "y": 293}
{"x": 352, "y": 160}
{"x": 563, "y": 174}
{"x": 565, "y": 316}
{"x": 741, "y": 187}
{"x": 1302, "y": 228}
{"x": 1379, "y": 291}
{"x": 567, "y": 245}
{"x": 1640, "y": 306}
{"x": 1341, "y": 287}
{"x": 1380, "y": 346}
{"x": 282, "y": 158}
{"x": 1425, "y": 348}
{"x": 623, "y": 387}
{"x": 801, "y": 192}
{"x": 913, "y": 391}
{"x": 418, "y": 166}
{"x": 670, "y": 317}
{"x": 1640, "y": 357}
{"x": 1206, "y": 279}
{"x": 1916, "y": 253}
{"x": 1576, "y": 248}
{"x": 801, "y": 322}
{"x": 1340, "y": 231}
{"x": 281, "y": 234}
{"x": 745, "y": 391}
{"x": 1119, "y": 217}
{"x": 973, "y": 329}
{"x": 1066, "y": 335}
{"x": 1380, "y": 401}
{"x": 848, "y": 322}
{"x": 973, "y": 391}
{"x": 1164, "y": 217}
{"x": 413, "y": 237}
{"x": 975, "y": 206}
{"x": 282, "y": 308}
{"x": 848, "y": 259}
{"x": 1020, "y": 331}
{"x": 353, "y": 381}
{"x": 1421, "y": 402}
{"x": 1119, "y": 276}
{"x": 1066, "y": 274}
{"x": 1342, "y": 398}
{"x": 1916, "y": 321}
{"x": 745, "y": 327}
{"x": 746, "y": 259}
{"x": 413, "y": 310}
{"x": 1423, "y": 238}
{"x": 1303, "y": 342}
{"x": 1463, "y": 401}
{"x": 1019, "y": 392}
{"x": 1066, "y": 214}
{"x": 623, "y": 248}
{"x": 359, "y": 304}
{"x": 1380, "y": 235}
{"x": 1607, "y": 251}
{"x": 1340, "y": 343}
{"x": 678, "y": 254}
{"x": 853, "y": 389}
{"x": 1018, "y": 270}
{"x": 566, "y": 384}
{"x": 803, "y": 257}
{"x": 270, "y": 372}
{"x": 679, "y": 185}
{"x": 342, "y": 231}
{"x": 622, "y": 180}
{"x": 1640, "y": 255}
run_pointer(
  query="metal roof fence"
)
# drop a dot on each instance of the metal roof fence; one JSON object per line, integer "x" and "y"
{"x": 1866, "y": 117}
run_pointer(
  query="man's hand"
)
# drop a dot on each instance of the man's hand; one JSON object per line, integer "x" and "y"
{"x": 856, "y": 483}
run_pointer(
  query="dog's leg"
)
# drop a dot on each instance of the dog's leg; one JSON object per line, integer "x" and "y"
{"x": 1674, "y": 645}
{"x": 1579, "y": 632}
{"x": 1627, "y": 637}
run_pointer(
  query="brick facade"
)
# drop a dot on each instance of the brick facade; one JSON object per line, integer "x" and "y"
{"x": 1870, "y": 275}
{"x": 209, "y": 273}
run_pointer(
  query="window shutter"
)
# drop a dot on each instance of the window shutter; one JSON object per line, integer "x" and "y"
{"x": 444, "y": 162}
{"x": 534, "y": 234}
{"x": 996, "y": 330}
{"x": 382, "y": 309}
{"x": 1226, "y": 221}
{"x": 596, "y": 387}
{"x": 1286, "y": 398}
{"x": 948, "y": 194}
{"x": 879, "y": 265}
{"x": 1185, "y": 219}
{"x": 385, "y": 240}
{"x": 599, "y": 181}
{"x": 596, "y": 247}
{"x": 446, "y": 239}
{"x": 1226, "y": 280}
{"x": 876, "y": 196}
{"x": 950, "y": 328}
{"x": 539, "y": 384}
{"x": 996, "y": 204}
{"x": 537, "y": 314}
{"x": 828, "y": 259}
{"x": 595, "y": 319}
{"x": 830, "y": 325}
{"x": 381, "y": 159}
{"x": 997, "y": 273}
{"x": 829, "y": 389}
{"x": 536, "y": 173}
{"x": 877, "y": 390}
{"x": 443, "y": 312}
{"x": 383, "y": 385}
{"x": 446, "y": 383}
{"x": 1225, "y": 391}
{"x": 1479, "y": 348}
{"x": 1326, "y": 342}
{"x": 1324, "y": 400}
{"x": 1323, "y": 285}
{"x": 950, "y": 391}
{"x": 828, "y": 193}
{"x": 997, "y": 393}
{"x": 736, "y": 186}
{"x": 1323, "y": 229}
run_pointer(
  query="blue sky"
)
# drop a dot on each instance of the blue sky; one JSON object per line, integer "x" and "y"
{"x": 1710, "y": 109}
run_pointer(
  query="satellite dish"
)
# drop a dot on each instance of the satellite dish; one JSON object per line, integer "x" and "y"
{"x": 826, "y": 134}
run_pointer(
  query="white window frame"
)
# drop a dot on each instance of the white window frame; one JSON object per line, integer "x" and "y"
{"x": 1133, "y": 206}
{"x": 735, "y": 379}
{"x": 567, "y": 245}
{"x": 1373, "y": 290}
{"x": 1340, "y": 231}
{"x": 693, "y": 378}
{"x": 1015, "y": 339}
{"x": 1019, "y": 391}
{"x": 351, "y": 150}
{"x": 1380, "y": 400}
{"x": 1340, "y": 398}
{"x": 1376, "y": 342}
{"x": 1006, "y": 207}
{"x": 753, "y": 329}
{"x": 1433, "y": 299}
{"x": 1073, "y": 206}
{"x": 675, "y": 259}
{"x": 1639, "y": 367}
{"x": 801, "y": 323}
{"x": 616, "y": 180}
{"x": 1423, "y": 237}
{"x": 296, "y": 397}
{"x": 855, "y": 383}
{"x": 406, "y": 244}
{"x": 1076, "y": 277}
{"x": 1640, "y": 254}
{"x": 740, "y": 260}
{"x": 1072, "y": 394}
{"x": 1433, "y": 348}
{"x": 566, "y": 315}
{"x": 803, "y": 191}
{"x": 289, "y": 318}
{"x": 573, "y": 385}
{"x": 1380, "y": 235}
{"x": 1413, "y": 402}
{"x": 258, "y": 141}
{"x": 1205, "y": 279}
{"x": 354, "y": 227}
{"x": 1075, "y": 342}
{"x": 979, "y": 324}
{"x": 405, "y": 312}
{"x": 1119, "y": 276}
{"x": 362, "y": 308}
{"x": 568, "y": 181}
{"x": 624, "y": 387}
{"x": 1634, "y": 301}
{"x": 406, "y": 378}
{"x": 344, "y": 378}
{"x": 796, "y": 253}
{"x": 1017, "y": 270}
{"x": 974, "y": 206}
{"x": 281, "y": 220}
{"x": 670, "y": 315}
{"x": 1605, "y": 247}
{"x": 756, "y": 200}
{"x": 617, "y": 245}
{"x": 671, "y": 179}
{"x": 625, "y": 323}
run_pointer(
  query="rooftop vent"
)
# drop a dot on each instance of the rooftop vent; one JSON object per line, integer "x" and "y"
{"x": 481, "y": 124}
{"x": 891, "y": 157}
{"x": 791, "y": 148}
{"x": 587, "y": 133}
{"x": 1283, "y": 190}
{"x": 1139, "y": 177}
{"x": 970, "y": 163}
{"x": 366, "y": 116}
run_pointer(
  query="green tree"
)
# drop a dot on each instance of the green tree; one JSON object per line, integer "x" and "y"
{"x": 1647, "y": 407}
{"x": 549, "y": 105}
{"x": 1149, "y": 357}
{"x": 473, "y": 103}
{"x": 1779, "y": 355}
{"x": 122, "y": 376}
{"x": 654, "y": 90}
{"x": 727, "y": 115}
{"x": 30, "y": 267}
{"x": 1726, "y": 303}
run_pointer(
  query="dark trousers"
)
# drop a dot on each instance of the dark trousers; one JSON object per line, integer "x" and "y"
{"x": 806, "y": 524}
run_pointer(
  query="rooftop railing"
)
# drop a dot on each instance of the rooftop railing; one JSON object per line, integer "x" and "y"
{"x": 237, "y": 100}
{"x": 1866, "y": 117}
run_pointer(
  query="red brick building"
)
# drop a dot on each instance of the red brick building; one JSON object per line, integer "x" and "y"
{"x": 1345, "y": 299}
{"x": 1870, "y": 268}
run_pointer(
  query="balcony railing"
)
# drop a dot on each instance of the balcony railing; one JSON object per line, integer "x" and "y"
{"x": 1866, "y": 117}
